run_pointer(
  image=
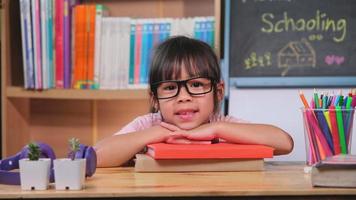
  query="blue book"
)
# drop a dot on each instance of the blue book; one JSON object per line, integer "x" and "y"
{"x": 167, "y": 31}
{"x": 204, "y": 31}
{"x": 210, "y": 31}
{"x": 149, "y": 50}
{"x": 197, "y": 30}
{"x": 132, "y": 53}
{"x": 161, "y": 32}
{"x": 50, "y": 60}
{"x": 144, "y": 53}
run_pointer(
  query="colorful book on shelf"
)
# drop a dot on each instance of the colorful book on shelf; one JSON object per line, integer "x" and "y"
{"x": 335, "y": 171}
{"x": 44, "y": 13}
{"x": 138, "y": 50}
{"x": 80, "y": 45}
{"x": 89, "y": 76}
{"x": 101, "y": 12}
{"x": 50, "y": 43}
{"x": 208, "y": 151}
{"x": 132, "y": 52}
{"x": 68, "y": 6}
{"x": 36, "y": 28}
{"x": 59, "y": 44}
{"x": 145, "y": 163}
{"x": 26, "y": 38}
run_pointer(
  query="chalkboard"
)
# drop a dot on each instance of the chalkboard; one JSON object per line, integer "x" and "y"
{"x": 304, "y": 40}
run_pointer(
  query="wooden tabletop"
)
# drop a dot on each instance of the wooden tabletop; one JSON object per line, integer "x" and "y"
{"x": 279, "y": 178}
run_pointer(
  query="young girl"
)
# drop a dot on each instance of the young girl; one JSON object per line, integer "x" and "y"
{"x": 186, "y": 90}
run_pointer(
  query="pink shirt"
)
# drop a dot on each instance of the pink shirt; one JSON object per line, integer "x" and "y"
{"x": 153, "y": 119}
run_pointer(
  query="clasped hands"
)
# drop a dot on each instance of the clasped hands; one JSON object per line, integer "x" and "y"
{"x": 203, "y": 134}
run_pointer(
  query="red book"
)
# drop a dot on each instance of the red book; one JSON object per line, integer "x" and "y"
{"x": 205, "y": 151}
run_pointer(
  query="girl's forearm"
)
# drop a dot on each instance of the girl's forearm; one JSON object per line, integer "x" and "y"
{"x": 118, "y": 149}
{"x": 255, "y": 134}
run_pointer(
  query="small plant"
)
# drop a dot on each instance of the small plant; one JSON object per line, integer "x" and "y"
{"x": 34, "y": 151}
{"x": 73, "y": 147}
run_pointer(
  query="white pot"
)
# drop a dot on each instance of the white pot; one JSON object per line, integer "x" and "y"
{"x": 69, "y": 174}
{"x": 34, "y": 175}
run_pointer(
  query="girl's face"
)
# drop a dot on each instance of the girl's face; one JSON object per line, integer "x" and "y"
{"x": 187, "y": 111}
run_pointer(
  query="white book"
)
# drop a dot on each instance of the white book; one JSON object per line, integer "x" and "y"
{"x": 126, "y": 31}
{"x": 187, "y": 27}
{"x": 118, "y": 68}
{"x": 101, "y": 11}
{"x": 44, "y": 45}
{"x": 104, "y": 75}
{"x": 175, "y": 27}
{"x": 36, "y": 30}
{"x": 115, "y": 53}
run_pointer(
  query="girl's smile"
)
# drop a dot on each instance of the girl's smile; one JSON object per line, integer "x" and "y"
{"x": 186, "y": 114}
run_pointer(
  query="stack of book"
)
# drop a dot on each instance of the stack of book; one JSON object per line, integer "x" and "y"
{"x": 335, "y": 171}
{"x": 162, "y": 157}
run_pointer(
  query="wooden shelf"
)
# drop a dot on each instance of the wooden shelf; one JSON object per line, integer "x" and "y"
{"x": 53, "y": 116}
{"x": 126, "y": 94}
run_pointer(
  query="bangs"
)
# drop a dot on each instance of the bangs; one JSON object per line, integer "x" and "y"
{"x": 196, "y": 57}
{"x": 193, "y": 63}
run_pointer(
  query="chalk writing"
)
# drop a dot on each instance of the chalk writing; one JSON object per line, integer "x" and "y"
{"x": 321, "y": 22}
{"x": 258, "y": 61}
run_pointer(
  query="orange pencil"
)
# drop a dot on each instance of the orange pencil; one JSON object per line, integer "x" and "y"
{"x": 302, "y": 97}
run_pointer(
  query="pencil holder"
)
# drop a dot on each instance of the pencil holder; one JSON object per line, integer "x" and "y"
{"x": 327, "y": 132}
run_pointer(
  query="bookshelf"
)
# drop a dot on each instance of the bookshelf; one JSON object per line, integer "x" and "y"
{"x": 53, "y": 116}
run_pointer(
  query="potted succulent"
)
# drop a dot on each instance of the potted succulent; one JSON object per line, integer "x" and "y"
{"x": 34, "y": 171}
{"x": 69, "y": 173}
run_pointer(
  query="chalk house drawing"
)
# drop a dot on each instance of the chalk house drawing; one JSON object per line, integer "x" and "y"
{"x": 296, "y": 54}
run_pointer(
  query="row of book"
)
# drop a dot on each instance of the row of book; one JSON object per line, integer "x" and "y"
{"x": 70, "y": 45}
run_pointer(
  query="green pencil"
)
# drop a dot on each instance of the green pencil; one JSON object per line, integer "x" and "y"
{"x": 340, "y": 125}
{"x": 316, "y": 99}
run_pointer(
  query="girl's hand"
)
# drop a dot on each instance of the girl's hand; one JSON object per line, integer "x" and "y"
{"x": 205, "y": 132}
{"x": 177, "y": 138}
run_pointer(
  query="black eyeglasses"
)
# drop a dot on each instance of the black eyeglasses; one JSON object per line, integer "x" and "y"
{"x": 171, "y": 88}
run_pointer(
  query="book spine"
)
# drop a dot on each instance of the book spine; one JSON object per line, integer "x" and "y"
{"x": 105, "y": 54}
{"x": 156, "y": 33}
{"x": 211, "y": 31}
{"x": 80, "y": 46}
{"x": 100, "y": 13}
{"x": 132, "y": 52}
{"x": 59, "y": 43}
{"x": 30, "y": 51}
{"x": 24, "y": 6}
{"x": 91, "y": 42}
{"x": 36, "y": 21}
{"x": 116, "y": 53}
{"x": 126, "y": 54}
{"x": 149, "y": 50}
{"x": 50, "y": 39}
{"x": 66, "y": 44}
{"x": 138, "y": 47}
{"x": 198, "y": 29}
{"x": 44, "y": 30}
{"x": 144, "y": 53}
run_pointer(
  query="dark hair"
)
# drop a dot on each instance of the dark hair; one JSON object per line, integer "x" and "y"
{"x": 197, "y": 57}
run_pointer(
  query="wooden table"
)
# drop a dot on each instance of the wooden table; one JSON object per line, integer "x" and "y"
{"x": 280, "y": 180}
